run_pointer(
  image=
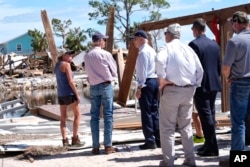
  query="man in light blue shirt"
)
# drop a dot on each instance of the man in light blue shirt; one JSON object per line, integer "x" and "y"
{"x": 147, "y": 91}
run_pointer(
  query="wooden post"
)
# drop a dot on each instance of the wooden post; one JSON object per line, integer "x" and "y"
{"x": 49, "y": 36}
{"x": 225, "y": 34}
{"x": 128, "y": 75}
{"x": 110, "y": 40}
{"x": 110, "y": 30}
{"x": 120, "y": 65}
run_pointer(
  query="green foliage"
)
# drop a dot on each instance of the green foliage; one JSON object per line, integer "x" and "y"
{"x": 39, "y": 42}
{"x": 60, "y": 28}
{"x": 73, "y": 38}
{"x": 124, "y": 11}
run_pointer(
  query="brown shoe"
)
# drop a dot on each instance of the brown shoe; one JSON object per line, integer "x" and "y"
{"x": 76, "y": 141}
{"x": 65, "y": 142}
{"x": 110, "y": 150}
{"x": 95, "y": 151}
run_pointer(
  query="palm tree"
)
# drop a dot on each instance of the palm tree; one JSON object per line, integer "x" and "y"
{"x": 75, "y": 39}
{"x": 39, "y": 42}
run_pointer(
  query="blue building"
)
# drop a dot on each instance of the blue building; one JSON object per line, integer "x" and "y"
{"x": 20, "y": 45}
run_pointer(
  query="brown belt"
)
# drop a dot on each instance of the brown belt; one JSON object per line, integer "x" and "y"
{"x": 106, "y": 82}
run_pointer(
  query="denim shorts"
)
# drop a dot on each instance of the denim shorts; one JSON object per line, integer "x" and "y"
{"x": 66, "y": 100}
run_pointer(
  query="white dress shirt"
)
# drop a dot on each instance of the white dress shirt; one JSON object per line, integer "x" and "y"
{"x": 178, "y": 63}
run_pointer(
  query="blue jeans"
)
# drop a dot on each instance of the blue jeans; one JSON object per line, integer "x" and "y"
{"x": 240, "y": 107}
{"x": 101, "y": 94}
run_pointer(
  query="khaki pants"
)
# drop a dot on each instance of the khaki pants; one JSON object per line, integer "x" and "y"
{"x": 176, "y": 105}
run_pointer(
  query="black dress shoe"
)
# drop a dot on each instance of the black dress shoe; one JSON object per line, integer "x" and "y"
{"x": 147, "y": 146}
{"x": 208, "y": 153}
{"x": 158, "y": 144}
{"x": 202, "y": 148}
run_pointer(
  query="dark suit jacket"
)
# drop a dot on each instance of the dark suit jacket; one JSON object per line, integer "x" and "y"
{"x": 208, "y": 52}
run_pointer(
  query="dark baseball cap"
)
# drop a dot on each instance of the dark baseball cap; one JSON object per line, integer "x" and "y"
{"x": 139, "y": 33}
{"x": 97, "y": 36}
{"x": 66, "y": 52}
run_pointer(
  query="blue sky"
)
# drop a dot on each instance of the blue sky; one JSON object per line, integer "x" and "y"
{"x": 18, "y": 16}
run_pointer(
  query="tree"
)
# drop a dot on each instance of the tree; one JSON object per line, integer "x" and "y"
{"x": 75, "y": 38}
{"x": 61, "y": 28}
{"x": 124, "y": 11}
{"x": 39, "y": 41}
{"x": 155, "y": 15}
{"x": 72, "y": 38}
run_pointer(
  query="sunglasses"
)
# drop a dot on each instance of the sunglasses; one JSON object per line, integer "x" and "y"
{"x": 233, "y": 21}
{"x": 165, "y": 33}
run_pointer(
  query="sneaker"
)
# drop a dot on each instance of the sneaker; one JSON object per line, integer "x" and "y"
{"x": 65, "y": 142}
{"x": 197, "y": 139}
{"x": 76, "y": 142}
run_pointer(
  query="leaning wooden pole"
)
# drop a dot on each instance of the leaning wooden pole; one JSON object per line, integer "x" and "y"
{"x": 49, "y": 36}
{"x": 110, "y": 30}
{"x": 127, "y": 75}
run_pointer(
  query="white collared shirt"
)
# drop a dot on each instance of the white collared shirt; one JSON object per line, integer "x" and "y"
{"x": 178, "y": 63}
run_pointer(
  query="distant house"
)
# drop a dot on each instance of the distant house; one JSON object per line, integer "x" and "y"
{"x": 19, "y": 45}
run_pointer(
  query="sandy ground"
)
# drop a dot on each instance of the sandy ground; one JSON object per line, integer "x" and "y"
{"x": 129, "y": 155}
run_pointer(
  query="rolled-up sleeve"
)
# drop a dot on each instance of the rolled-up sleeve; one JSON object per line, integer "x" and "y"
{"x": 112, "y": 66}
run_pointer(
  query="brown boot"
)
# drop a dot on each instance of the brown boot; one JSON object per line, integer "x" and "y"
{"x": 65, "y": 142}
{"x": 76, "y": 141}
{"x": 110, "y": 150}
{"x": 95, "y": 151}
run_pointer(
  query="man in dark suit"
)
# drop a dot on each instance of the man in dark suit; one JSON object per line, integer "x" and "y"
{"x": 208, "y": 52}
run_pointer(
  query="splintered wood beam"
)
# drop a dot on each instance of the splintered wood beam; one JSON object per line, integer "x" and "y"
{"x": 120, "y": 65}
{"x": 127, "y": 75}
{"x": 222, "y": 14}
{"x": 49, "y": 36}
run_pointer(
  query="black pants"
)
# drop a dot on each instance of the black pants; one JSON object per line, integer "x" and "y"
{"x": 205, "y": 105}
{"x": 149, "y": 111}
